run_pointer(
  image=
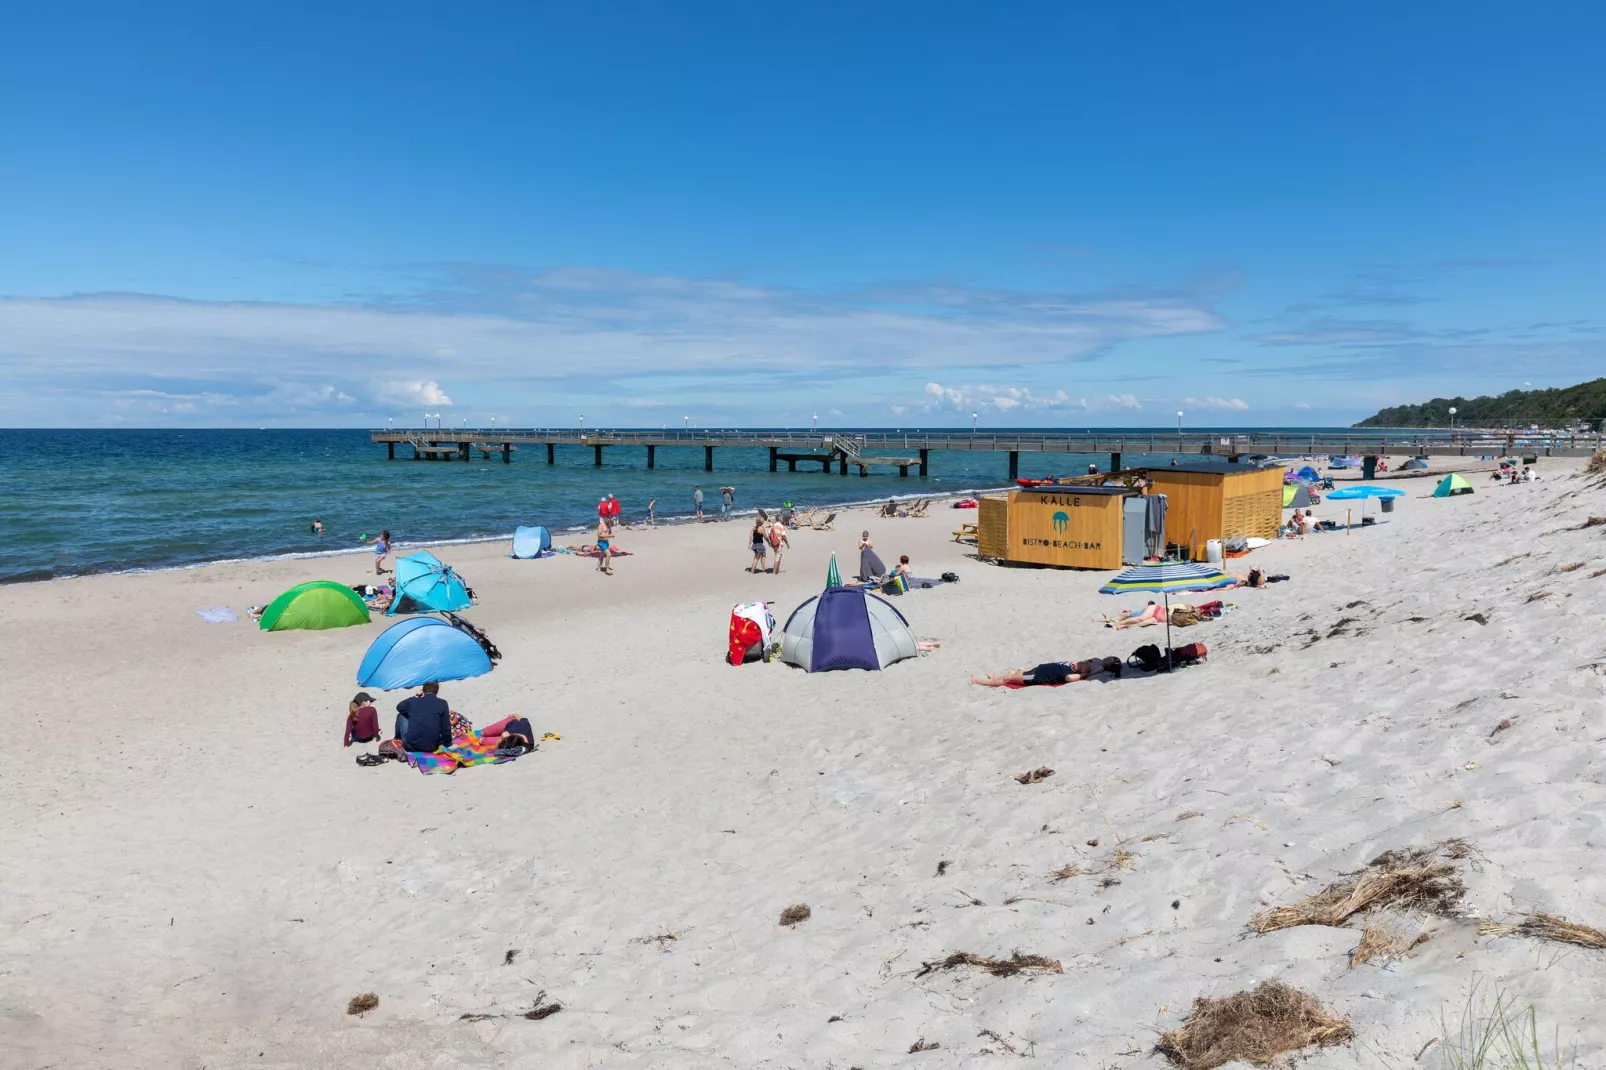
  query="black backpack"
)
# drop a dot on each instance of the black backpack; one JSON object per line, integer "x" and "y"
{"x": 1148, "y": 658}
{"x": 950, "y": 577}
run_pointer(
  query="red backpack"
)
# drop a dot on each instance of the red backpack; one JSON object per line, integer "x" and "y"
{"x": 1187, "y": 655}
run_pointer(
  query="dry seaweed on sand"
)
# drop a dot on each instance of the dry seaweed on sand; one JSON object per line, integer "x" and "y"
{"x": 1382, "y": 941}
{"x": 1549, "y": 927}
{"x": 1016, "y": 963}
{"x": 362, "y": 1004}
{"x": 542, "y": 1010}
{"x": 1034, "y": 776}
{"x": 1256, "y": 1026}
{"x": 796, "y": 914}
{"x": 1418, "y": 878}
{"x": 1188, "y": 815}
{"x": 923, "y": 1045}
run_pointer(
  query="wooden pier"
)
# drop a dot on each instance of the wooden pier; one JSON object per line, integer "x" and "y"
{"x": 866, "y": 450}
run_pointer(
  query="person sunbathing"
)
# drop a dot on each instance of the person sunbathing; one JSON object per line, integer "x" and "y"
{"x": 1153, "y": 613}
{"x": 1255, "y": 578}
{"x": 1052, "y": 673}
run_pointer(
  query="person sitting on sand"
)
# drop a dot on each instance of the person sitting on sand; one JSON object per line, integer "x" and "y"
{"x": 424, "y": 721}
{"x": 901, "y": 568}
{"x": 1151, "y": 614}
{"x": 1052, "y": 673}
{"x": 362, "y": 720}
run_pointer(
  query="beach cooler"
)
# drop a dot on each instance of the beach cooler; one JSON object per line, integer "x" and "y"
{"x": 751, "y": 630}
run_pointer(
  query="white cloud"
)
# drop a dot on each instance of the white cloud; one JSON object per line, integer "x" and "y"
{"x": 1223, "y": 404}
{"x": 1009, "y": 398}
{"x": 412, "y": 392}
{"x": 1301, "y": 404}
{"x": 504, "y": 338}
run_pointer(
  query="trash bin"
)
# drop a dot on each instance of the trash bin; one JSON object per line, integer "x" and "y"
{"x": 1387, "y": 504}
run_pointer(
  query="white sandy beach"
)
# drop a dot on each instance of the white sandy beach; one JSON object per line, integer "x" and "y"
{"x": 196, "y": 874}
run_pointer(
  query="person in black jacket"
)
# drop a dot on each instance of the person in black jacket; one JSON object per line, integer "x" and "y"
{"x": 424, "y": 721}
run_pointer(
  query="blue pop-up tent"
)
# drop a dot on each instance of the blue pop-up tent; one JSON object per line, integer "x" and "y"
{"x": 846, "y": 628}
{"x": 530, "y": 542}
{"x": 417, "y": 651}
{"x": 424, "y": 583}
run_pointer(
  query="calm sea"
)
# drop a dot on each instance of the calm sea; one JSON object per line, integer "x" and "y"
{"x": 80, "y": 502}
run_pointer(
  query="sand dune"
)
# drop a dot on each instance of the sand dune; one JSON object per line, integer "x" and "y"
{"x": 197, "y": 874}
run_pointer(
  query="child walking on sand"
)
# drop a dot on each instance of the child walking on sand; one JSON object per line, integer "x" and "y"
{"x": 381, "y": 545}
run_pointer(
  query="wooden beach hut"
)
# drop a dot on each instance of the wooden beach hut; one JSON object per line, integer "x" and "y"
{"x": 1069, "y": 526}
{"x": 1218, "y": 501}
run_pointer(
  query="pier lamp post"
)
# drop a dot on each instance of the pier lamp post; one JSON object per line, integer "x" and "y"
{"x": 1179, "y": 423}
{"x": 1452, "y": 423}
{"x": 816, "y": 421}
{"x": 685, "y": 423}
{"x": 973, "y": 423}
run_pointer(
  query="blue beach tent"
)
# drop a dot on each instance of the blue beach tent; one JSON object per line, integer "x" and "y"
{"x": 529, "y": 542}
{"x": 1307, "y": 474}
{"x": 424, "y": 583}
{"x": 846, "y": 628}
{"x": 417, "y": 651}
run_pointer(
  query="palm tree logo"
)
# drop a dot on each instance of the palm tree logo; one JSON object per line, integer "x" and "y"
{"x": 1062, "y": 523}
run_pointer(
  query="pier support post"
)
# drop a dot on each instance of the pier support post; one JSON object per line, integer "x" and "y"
{"x": 415, "y": 451}
{"x": 791, "y": 464}
{"x": 773, "y": 458}
{"x": 652, "y": 456}
{"x": 392, "y": 447}
{"x": 1115, "y": 462}
{"x": 842, "y": 468}
{"x": 507, "y": 453}
{"x": 1014, "y": 464}
{"x": 925, "y": 461}
{"x": 708, "y": 458}
{"x": 551, "y": 453}
{"x": 903, "y": 471}
{"x": 598, "y": 451}
{"x": 463, "y": 453}
{"x": 826, "y": 467}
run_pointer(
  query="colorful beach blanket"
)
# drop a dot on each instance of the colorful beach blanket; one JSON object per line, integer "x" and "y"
{"x": 466, "y": 751}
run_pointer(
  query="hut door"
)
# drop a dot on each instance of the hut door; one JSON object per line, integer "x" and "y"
{"x": 1133, "y": 544}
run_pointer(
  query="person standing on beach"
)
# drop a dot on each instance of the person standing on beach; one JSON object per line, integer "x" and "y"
{"x": 613, "y": 507}
{"x": 727, "y": 497}
{"x": 756, "y": 539}
{"x": 697, "y": 502}
{"x": 605, "y": 544}
{"x": 381, "y": 545}
{"x": 778, "y": 542}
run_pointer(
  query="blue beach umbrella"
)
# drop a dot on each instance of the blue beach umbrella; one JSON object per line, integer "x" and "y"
{"x": 1167, "y": 577}
{"x": 1361, "y": 492}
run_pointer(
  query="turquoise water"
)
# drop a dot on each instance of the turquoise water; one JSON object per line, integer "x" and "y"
{"x": 81, "y": 502}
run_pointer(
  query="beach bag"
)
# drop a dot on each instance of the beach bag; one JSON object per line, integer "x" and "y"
{"x": 896, "y": 585}
{"x": 1146, "y": 658}
{"x": 950, "y": 577}
{"x": 461, "y": 726}
{"x": 1184, "y": 617}
{"x": 1210, "y": 609}
{"x": 393, "y": 748}
{"x": 1188, "y": 655}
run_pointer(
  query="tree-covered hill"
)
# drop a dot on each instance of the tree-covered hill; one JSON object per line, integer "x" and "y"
{"x": 1554, "y": 408}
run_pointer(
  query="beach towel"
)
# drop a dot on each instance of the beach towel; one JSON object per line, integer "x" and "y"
{"x": 616, "y": 553}
{"x": 220, "y": 615}
{"x": 465, "y": 751}
{"x": 870, "y": 566}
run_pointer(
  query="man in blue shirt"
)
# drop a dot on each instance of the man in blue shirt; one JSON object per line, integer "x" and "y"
{"x": 424, "y": 721}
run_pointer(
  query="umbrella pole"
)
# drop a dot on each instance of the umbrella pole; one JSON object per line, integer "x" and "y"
{"x": 1167, "y": 596}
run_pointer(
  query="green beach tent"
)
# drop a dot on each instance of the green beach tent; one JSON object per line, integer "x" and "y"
{"x": 314, "y": 606}
{"x": 1452, "y": 484}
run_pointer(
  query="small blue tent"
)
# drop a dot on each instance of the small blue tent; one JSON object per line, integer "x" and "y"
{"x": 1307, "y": 474}
{"x": 529, "y": 542}
{"x": 846, "y": 628}
{"x": 420, "y": 650}
{"x": 425, "y": 583}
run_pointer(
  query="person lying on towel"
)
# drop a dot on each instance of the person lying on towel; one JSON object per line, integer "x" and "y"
{"x": 1053, "y": 673}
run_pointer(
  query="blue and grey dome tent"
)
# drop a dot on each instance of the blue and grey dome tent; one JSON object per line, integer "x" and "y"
{"x": 846, "y": 628}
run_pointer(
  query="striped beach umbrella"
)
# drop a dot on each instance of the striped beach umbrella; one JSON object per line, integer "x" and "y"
{"x": 1165, "y": 577}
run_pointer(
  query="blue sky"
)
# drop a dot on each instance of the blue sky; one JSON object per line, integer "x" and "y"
{"x": 894, "y": 214}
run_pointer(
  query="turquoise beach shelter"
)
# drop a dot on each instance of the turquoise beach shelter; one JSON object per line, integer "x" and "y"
{"x": 426, "y": 584}
{"x": 420, "y": 650}
{"x": 531, "y": 541}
